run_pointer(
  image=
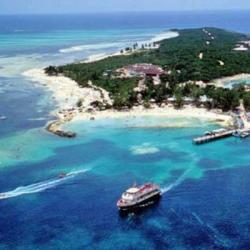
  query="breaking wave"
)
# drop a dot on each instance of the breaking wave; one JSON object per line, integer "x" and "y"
{"x": 11, "y": 66}
{"x": 164, "y": 35}
{"x": 96, "y": 57}
{"x": 90, "y": 47}
{"x": 156, "y": 38}
{"x": 39, "y": 186}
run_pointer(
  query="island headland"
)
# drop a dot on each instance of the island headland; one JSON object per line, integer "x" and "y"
{"x": 184, "y": 74}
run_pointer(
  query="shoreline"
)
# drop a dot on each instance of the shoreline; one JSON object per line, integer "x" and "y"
{"x": 156, "y": 39}
{"x": 67, "y": 94}
{"x": 168, "y": 111}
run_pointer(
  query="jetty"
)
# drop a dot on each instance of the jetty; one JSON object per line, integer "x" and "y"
{"x": 54, "y": 127}
{"x": 214, "y": 136}
{"x": 220, "y": 134}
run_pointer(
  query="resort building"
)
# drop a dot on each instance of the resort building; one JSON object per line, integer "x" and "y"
{"x": 242, "y": 46}
{"x": 142, "y": 69}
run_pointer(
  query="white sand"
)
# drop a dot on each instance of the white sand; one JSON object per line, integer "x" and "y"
{"x": 167, "y": 112}
{"x": 221, "y": 82}
{"x": 67, "y": 93}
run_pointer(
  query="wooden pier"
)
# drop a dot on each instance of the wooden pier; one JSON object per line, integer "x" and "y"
{"x": 213, "y": 137}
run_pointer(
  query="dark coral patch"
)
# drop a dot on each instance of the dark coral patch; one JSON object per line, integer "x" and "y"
{"x": 209, "y": 163}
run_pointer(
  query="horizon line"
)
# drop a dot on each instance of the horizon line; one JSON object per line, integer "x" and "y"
{"x": 122, "y": 11}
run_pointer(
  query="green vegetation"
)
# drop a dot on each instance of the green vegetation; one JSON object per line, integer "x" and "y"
{"x": 180, "y": 58}
{"x": 246, "y": 100}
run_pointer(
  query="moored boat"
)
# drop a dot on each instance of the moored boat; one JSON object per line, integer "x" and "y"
{"x": 241, "y": 134}
{"x": 139, "y": 197}
{"x": 244, "y": 135}
{"x": 216, "y": 131}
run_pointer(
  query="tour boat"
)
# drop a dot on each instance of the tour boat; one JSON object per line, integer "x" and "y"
{"x": 138, "y": 197}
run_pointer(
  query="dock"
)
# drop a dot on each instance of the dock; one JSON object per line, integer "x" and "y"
{"x": 216, "y": 135}
{"x": 213, "y": 137}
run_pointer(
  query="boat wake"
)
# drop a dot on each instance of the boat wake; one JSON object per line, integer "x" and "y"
{"x": 177, "y": 182}
{"x": 40, "y": 186}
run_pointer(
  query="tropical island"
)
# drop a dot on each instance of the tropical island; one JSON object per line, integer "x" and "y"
{"x": 192, "y": 68}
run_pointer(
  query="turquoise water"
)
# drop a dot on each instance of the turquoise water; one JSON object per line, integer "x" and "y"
{"x": 206, "y": 199}
{"x": 204, "y": 187}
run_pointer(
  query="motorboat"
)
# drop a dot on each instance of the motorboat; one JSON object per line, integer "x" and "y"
{"x": 2, "y": 196}
{"x": 241, "y": 134}
{"x": 2, "y": 118}
{"x": 62, "y": 175}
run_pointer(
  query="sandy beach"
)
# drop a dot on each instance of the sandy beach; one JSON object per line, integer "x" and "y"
{"x": 67, "y": 94}
{"x": 167, "y": 111}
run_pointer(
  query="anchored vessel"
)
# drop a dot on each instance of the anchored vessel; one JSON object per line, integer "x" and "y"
{"x": 138, "y": 197}
{"x": 241, "y": 133}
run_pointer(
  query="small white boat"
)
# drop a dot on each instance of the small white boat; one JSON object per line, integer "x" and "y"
{"x": 208, "y": 133}
{"x": 241, "y": 134}
{"x": 216, "y": 131}
{"x": 2, "y": 118}
{"x": 244, "y": 134}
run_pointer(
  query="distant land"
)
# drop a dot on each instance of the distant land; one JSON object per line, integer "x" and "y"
{"x": 195, "y": 55}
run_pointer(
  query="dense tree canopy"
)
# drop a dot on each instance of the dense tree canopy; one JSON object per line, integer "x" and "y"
{"x": 194, "y": 55}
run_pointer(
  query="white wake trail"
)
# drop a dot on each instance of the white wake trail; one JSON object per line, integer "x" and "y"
{"x": 40, "y": 186}
{"x": 177, "y": 182}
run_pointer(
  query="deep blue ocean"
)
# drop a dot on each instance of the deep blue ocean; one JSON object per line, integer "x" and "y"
{"x": 206, "y": 204}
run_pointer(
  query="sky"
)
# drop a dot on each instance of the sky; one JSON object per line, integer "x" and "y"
{"x": 83, "y": 6}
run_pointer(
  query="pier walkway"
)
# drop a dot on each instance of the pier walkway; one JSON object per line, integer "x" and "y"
{"x": 213, "y": 137}
{"x": 219, "y": 135}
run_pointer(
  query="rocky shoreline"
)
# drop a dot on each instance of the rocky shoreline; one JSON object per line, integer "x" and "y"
{"x": 55, "y": 128}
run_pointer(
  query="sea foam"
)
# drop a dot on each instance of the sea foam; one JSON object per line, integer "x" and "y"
{"x": 156, "y": 38}
{"x": 164, "y": 35}
{"x": 39, "y": 186}
{"x": 89, "y": 47}
{"x": 15, "y": 65}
